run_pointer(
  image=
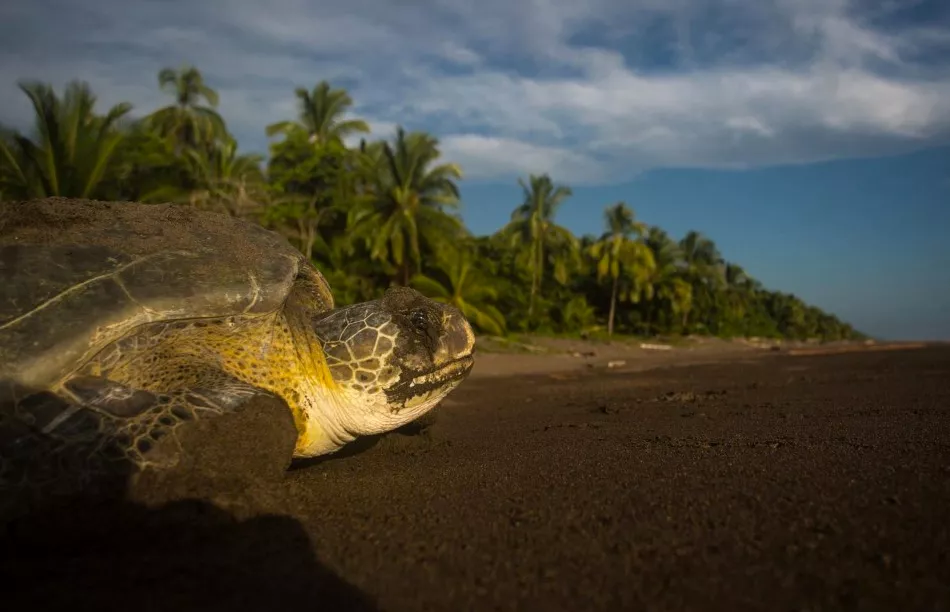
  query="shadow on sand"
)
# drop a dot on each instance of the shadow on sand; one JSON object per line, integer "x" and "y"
{"x": 93, "y": 544}
{"x": 186, "y": 555}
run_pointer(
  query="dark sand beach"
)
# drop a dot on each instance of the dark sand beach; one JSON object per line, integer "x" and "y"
{"x": 766, "y": 481}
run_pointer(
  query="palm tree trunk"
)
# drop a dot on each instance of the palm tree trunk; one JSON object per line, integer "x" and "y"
{"x": 534, "y": 280}
{"x": 311, "y": 236}
{"x": 613, "y": 307}
{"x": 302, "y": 235}
{"x": 538, "y": 274}
{"x": 648, "y": 315}
{"x": 531, "y": 299}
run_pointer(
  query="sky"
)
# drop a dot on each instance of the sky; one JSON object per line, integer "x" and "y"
{"x": 810, "y": 139}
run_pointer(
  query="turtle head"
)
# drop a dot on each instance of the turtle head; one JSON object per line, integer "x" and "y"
{"x": 394, "y": 358}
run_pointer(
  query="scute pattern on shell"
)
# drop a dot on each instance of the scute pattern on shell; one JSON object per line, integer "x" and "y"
{"x": 80, "y": 274}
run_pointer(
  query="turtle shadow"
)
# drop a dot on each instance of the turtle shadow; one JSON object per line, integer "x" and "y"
{"x": 185, "y": 555}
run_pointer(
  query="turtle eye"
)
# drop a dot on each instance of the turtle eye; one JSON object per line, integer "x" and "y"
{"x": 419, "y": 320}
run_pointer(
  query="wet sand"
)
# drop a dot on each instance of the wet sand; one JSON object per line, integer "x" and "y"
{"x": 765, "y": 482}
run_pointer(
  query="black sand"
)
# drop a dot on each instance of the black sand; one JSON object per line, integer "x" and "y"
{"x": 779, "y": 483}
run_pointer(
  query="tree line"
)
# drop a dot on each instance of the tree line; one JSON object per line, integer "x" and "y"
{"x": 385, "y": 212}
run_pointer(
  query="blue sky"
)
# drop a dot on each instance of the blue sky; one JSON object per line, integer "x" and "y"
{"x": 809, "y": 138}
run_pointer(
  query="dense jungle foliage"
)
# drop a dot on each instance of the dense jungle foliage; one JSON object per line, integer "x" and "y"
{"x": 386, "y": 211}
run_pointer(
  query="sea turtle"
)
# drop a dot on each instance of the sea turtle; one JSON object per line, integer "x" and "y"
{"x": 120, "y": 323}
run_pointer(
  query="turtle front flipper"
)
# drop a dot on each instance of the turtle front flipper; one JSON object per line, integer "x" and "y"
{"x": 96, "y": 437}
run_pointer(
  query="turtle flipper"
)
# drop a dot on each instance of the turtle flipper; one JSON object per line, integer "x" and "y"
{"x": 95, "y": 434}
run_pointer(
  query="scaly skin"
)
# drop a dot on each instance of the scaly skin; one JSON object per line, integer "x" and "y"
{"x": 211, "y": 353}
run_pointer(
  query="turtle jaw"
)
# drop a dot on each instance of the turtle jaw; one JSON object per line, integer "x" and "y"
{"x": 418, "y": 393}
{"x": 456, "y": 369}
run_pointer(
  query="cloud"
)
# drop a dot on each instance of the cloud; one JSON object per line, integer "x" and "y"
{"x": 484, "y": 157}
{"x": 589, "y": 92}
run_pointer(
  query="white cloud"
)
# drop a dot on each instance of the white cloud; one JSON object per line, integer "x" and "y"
{"x": 586, "y": 91}
{"x": 494, "y": 157}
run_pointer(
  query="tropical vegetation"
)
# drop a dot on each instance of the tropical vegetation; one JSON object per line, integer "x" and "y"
{"x": 379, "y": 212}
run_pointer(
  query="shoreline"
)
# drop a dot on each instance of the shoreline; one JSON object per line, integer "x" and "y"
{"x": 559, "y": 356}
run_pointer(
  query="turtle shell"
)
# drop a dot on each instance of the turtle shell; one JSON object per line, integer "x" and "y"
{"x": 76, "y": 275}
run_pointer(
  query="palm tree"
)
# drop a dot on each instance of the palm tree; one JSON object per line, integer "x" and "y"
{"x": 218, "y": 179}
{"x": 466, "y": 289}
{"x": 788, "y": 312}
{"x": 577, "y": 313}
{"x": 226, "y": 181}
{"x": 701, "y": 256}
{"x": 532, "y": 226}
{"x": 321, "y": 115}
{"x": 736, "y": 276}
{"x": 186, "y": 122}
{"x": 13, "y": 180}
{"x": 148, "y": 169}
{"x": 407, "y": 202}
{"x": 664, "y": 285}
{"x": 72, "y": 152}
{"x": 702, "y": 266}
{"x": 738, "y": 294}
{"x": 679, "y": 297}
{"x": 353, "y": 276}
{"x": 306, "y": 182}
{"x": 620, "y": 255}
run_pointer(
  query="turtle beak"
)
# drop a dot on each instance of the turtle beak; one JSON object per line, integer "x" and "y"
{"x": 457, "y": 340}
